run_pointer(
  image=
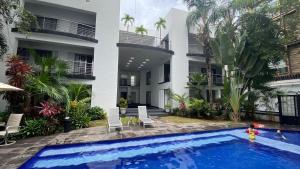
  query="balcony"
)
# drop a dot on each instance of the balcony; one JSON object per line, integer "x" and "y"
{"x": 80, "y": 69}
{"x": 195, "y": 50}
{"x": 64, "y": 27}
{"x": 217, "y": 79}
{"x": 144, "y": 40}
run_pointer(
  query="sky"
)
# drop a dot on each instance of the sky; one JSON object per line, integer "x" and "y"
{"x": 147, "y": 12}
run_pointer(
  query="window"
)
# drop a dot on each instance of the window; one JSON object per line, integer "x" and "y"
{"x": 166, "y": 72}
{"x": 148, "y": 78}
{"x": 47, "y": 23}
{"x": 83, "y": 64}
{"x": 132, "y": 81}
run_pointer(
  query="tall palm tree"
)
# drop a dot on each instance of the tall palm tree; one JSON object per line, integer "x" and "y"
{"x": 141, "y": 30}
{"x": 202, "y": 11}
{"x": 128, "y": 21}
{"x": 160, "y": 24}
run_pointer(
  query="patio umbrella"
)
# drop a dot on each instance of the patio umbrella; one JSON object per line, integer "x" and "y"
{"x": 5, "y": 87}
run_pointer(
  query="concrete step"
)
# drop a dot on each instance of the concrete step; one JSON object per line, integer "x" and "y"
{"x": 151, "y": 112}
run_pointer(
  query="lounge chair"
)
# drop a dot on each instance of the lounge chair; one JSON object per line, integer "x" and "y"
{"x": 143, "y": 116}
{"x": 12, "y": 126}
{"x": 113, "y": 119}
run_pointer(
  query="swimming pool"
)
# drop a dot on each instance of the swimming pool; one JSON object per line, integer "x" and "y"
{"x": 222, "y": 149}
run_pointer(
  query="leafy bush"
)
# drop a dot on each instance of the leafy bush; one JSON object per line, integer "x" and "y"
{"x": 79, "y": 116}
{"x": 199, "y": 108}
{"x": 123, "y": 103}
{"x": 96, "y": 113}
{"x": 4, "y": 116}
{"x": 34, "y": 128}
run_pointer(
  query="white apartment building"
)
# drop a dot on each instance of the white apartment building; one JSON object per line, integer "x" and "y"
{"x": 116, "y": 63}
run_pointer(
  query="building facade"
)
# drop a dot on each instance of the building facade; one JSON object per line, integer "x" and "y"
{"x": 115, "y": 62}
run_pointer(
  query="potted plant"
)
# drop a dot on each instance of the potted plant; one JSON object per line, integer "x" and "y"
{"x": 168, "y": 108}
{"x": 123, "y": 105}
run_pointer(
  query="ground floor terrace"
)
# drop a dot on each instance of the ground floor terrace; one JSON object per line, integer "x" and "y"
{"x": 13, "y": 156}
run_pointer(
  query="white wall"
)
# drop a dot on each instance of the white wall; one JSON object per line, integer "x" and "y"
{"x": 61, "y": 13}
{"x": 178, "y": 35}
{"x": 105, "y": 51}
{"x": 157, "y": 99}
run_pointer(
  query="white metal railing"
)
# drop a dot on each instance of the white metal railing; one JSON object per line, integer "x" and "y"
{"x": 67, "y": 26}
{"x": 80, "y": 68}
{"x": 133, "y": 38}
{"x": 195, "y": 48}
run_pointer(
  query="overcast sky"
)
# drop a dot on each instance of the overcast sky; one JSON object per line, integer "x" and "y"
{"x": 147, "y": 12}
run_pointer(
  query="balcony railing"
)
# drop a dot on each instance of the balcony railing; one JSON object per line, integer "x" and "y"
{"x": 195, "y": 49}
{"x": 217, "y": 79}
{"x": 66, "y": 26}
{"x": 133, "y": 38}
{"x": 80, "y": 68}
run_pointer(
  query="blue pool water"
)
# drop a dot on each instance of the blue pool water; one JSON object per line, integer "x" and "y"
{"x": 224, "y": 149}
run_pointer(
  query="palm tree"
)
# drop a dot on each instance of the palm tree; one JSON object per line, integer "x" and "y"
{"x": 160, "y": 24}
{"x": 128, "y": 21}
{"x": 141, "y": 30}
{"x": 202, "y": 11}
{"x": 196, "y": 83}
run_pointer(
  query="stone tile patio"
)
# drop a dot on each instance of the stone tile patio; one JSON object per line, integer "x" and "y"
{"x": 13, "y": 156}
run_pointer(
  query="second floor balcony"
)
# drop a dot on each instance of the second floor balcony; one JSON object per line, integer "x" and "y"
{"x": 80, "y": 69}
{"x": 65, "y": 27}
{"x": 144, "y": 40}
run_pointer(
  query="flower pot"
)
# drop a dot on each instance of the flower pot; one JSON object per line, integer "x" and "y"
{"x": 123, "y": 110}
{"x": 67, "y": 124}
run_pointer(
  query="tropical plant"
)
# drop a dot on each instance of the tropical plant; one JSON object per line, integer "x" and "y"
{"x": 196, "y": 83}
{"x": 249, "y": 104}
{"x": 75, "y": 101}
{"x": 17, "y": 72}
{"x": 202, "y": 11}
{"x": 49, "y": 109}
{"x": 96, "y": 113}
{"x": 123, "y": 103}
{"x": 160, "y": 24}
{"x": 199, "y": 108}
{"x": 141, "y": 30}
{"x": 34, "y": 128}
{"x": 79, "y": 116}
{"x": 235, "y": 99}
{"x": 168, "y": 106}
{"x": 11, "y": 12}
{"x": 128, "y": 21}
{"x": 181, "y": 100}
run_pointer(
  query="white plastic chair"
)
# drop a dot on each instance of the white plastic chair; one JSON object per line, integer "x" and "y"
{"x": 12, "y": 126}
{"x": 143, "y": 116}
{"x": 113, "y": 119}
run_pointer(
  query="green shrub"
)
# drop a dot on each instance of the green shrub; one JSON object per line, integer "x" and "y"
{"x": 199, "y": 108}
{"x": 96, "y": 113}
{"x": 79, "y": 116}
{"x": 4, "y": 116}
{"x": 123, "y": 103}
{"x": 34, "y": 128}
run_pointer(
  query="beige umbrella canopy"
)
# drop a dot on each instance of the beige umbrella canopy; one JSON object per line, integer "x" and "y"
{"x": 5, "y": 87}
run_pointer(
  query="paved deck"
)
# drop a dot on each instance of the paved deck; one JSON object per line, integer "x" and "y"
{"x": 13, "y": 156}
